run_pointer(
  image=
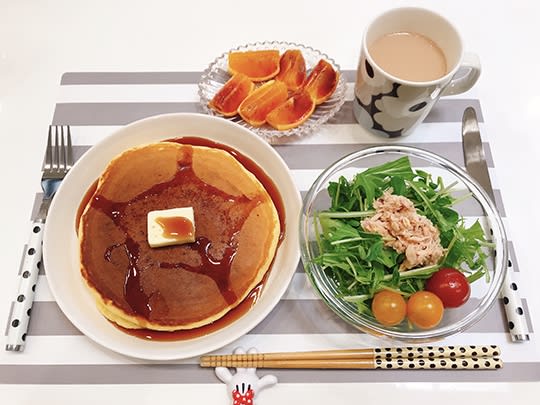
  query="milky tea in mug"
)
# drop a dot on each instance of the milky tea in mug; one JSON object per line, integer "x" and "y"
{"x": 409, "y": 59}
{"x": 409, "y": 56}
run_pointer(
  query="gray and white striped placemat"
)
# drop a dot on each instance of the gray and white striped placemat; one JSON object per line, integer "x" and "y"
{"x": 97, "y": 103}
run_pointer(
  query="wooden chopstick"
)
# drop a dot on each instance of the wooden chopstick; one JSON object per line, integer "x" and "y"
{"x": 465, "y": 363}
{"x": 428, "y": 357}
{"x": 369, "y": 353}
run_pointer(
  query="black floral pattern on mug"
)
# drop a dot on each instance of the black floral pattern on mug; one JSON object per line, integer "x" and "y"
{"x": 386, "y": 106}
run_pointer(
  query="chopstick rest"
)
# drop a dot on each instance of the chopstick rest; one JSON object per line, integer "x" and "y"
{"x": 428, "y": 357}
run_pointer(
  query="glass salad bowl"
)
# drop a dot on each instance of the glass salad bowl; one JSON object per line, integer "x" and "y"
{"x": 349, "y": 261}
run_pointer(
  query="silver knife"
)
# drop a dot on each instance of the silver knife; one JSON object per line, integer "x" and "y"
{"x": 475, "y": 163}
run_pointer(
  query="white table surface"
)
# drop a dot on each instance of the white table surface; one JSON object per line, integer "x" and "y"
{"x": 41, "y": 40}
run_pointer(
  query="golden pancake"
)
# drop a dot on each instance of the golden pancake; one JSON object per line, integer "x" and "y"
{"x": 183, "y": 286}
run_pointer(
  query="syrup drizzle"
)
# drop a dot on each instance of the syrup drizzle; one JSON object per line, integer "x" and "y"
{"x": 216, "y": 268}
{"x": 133, "y": 291}
{"x": 250, "y": 165}
{"x": 175, "y": 227}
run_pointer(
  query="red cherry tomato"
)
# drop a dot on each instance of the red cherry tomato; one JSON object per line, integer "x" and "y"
{"x": 388, "y": 307}
{"x": 424, "y": 309}
{"x": 451, "y": 286}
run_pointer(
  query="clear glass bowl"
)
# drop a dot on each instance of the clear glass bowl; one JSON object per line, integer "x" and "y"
{"x": 483, "y": 292}
{"x": 216, "y": 75}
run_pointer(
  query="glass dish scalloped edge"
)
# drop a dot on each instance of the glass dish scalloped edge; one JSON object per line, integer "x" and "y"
{"x": 215, "y": 76}
{"x": 326, "y": 288}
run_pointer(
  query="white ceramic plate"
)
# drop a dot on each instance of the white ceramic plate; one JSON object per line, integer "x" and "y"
{"x": 61, "y": 248}
{"x": 216, "y": 75}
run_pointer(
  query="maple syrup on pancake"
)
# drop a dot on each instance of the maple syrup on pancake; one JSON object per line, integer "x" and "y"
{"x": 186, "y": 334}
{"x": 84, "y": 202}
{"x": 250, "y": 165}
{"x": 215, "y": 268}
{"x": 218, "y": 270}
{"x": 175, "y": 226}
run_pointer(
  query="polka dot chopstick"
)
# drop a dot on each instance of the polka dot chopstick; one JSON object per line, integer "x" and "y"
{"x": 428, "y": 357}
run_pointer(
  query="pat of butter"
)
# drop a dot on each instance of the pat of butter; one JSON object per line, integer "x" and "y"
{"x": 171, "y": 227}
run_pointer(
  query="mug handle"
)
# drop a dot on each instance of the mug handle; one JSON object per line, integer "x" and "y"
{"x": 470, "y": 62}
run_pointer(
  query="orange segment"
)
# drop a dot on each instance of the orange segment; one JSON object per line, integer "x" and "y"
{"x": 257, "y": 65}
{"x": 322, "y": 82}
{"x": 293, "y": 112}
{"x": 261, "y": 101}
{"x": 292, "y": 69}
{"x": 227, "y": 100}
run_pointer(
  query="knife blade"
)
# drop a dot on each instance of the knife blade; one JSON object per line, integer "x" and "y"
{"x": 473, "y": 151}
{"x": 476, "y": 166}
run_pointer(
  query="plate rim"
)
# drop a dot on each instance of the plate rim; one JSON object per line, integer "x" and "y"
{"x": 288, "y": 251}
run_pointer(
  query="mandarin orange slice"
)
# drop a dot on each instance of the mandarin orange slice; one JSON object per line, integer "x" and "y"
{"x": 258, "y": 65}
{"x": 293, "y": 112}
{"x": 227, "y": 100}
{"x": 321, "y": 82}
{"x": 261, "y": 101}
{"x": 292, "y": 69}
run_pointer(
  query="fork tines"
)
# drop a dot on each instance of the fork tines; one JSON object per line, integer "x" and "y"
{"x": 59, "y": 156}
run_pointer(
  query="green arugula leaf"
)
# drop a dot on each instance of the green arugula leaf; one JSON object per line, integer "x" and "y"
{"x": 360, "y": 264}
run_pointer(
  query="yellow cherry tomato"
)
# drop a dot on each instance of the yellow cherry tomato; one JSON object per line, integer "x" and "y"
{"x": 424, "y": 309}
{"x": 388, "y": 307}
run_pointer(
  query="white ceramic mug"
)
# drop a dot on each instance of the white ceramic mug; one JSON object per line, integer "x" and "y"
{"x": 393, "y": 107}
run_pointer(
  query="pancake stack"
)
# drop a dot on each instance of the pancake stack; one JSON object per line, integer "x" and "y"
{"x": 183, "y": 286}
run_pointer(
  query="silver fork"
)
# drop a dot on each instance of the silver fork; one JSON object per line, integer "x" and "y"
{"x": 58, "y": 161}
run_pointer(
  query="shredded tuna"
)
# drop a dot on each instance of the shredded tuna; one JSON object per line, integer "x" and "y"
{"x": 404, "y": 230}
